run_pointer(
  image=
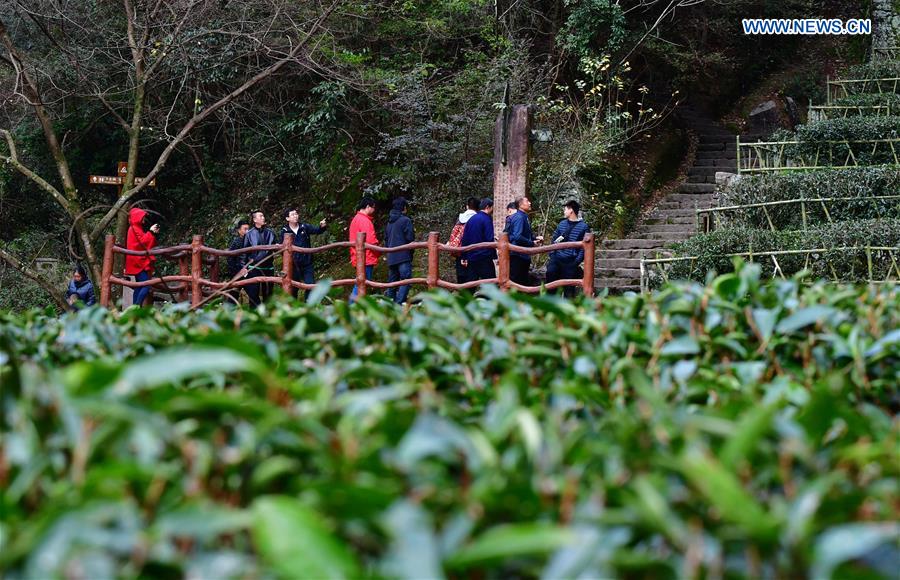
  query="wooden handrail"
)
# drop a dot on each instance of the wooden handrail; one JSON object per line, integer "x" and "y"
{"x": 192, "y": 257}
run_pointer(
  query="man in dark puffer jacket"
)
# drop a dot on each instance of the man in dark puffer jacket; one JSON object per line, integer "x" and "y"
{"x": 399, "y": 232}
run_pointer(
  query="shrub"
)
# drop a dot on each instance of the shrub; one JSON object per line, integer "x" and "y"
{"x": 730, "y": 429}
{"x": 881, "y": 69}
{"x": 812, "y": 137}
{"x": 853, "y": 182}
{"x": 870, "y": 99}
{"x": 712, "y": 251}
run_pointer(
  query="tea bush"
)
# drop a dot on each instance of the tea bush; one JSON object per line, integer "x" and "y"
{"x": 830, "y": 183}
{"x": 739, "y": 429}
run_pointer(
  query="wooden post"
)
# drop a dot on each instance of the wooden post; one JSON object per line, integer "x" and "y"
{"x": 287, "y": 263}
{"x": 107, "y": 270}
{"x": 589, "y": 265}
{"x": 434, "y": 260}
{"x": 361, "y": 264}
{"x": 196, "y": 270}
{"x": 183, "y": 270}
{"x": 503, "y": 261}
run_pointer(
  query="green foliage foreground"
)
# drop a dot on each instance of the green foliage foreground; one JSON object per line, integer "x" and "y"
{"x": 737, "y": 429}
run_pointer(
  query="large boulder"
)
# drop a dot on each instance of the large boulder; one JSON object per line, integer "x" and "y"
{"x": 764, "y": 118}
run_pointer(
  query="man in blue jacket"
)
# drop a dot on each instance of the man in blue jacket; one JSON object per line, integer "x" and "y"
{"x": 564, "y": 264}
{"x": 479, "y": 264}
{"x": 399, "y": 232}
{"x": 302, "y": 270}
{"x": 520, "y": 234}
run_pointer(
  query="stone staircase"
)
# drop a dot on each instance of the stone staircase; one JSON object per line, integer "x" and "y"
{"x": 673, "y": 218}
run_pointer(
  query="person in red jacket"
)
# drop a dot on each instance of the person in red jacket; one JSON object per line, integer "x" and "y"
{"x": 140, "y": 240}
{"x": 362, "y": 222}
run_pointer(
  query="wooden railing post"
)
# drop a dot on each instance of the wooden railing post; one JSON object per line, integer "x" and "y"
{"x": 503, "y": 261}
{"x": 589, "y": 265}
{"x": 434, "y": 260}
{"x": 361, "y": 264}
{"x": 196, "y": 269}
{"x": 287, "y": 263}
{"x": 183, "y": 270}
{"x": 107, "y": 270}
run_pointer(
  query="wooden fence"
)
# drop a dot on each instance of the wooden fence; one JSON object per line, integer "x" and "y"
{"x": 190, "y": 280}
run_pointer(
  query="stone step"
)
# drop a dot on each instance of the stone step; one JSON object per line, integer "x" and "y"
{"x": 716, "y": 146}
{"x": 688, "y": 200}
{"x": 704, "y": 169}
{"x": 697, "y": 188}
{"x": 631, "y": 263}
{"x": 671, "y": 214}
{"x": 664, "y": 221}
{"x": 635, "y": 254}
{"x": 662, "y": 236}
{"x": 648, "y": 227}
{"x": 624, "y": 273}
{"x": 631, "y": 244}
{"x": 716, "y": 137}
{"x": 620, "y": 284}
{"x": 716, "y": 155}
{"x": 702, "y": 179}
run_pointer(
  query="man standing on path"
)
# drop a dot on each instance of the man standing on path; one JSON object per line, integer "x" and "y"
{"x": 479, "y": 264}
{"x": 399, "y": 232}
{"x": 362, "y": 222}
{"x": 510, "y": 210}
{"x": 520, "y": 234}
{"x": 564, "y": 264}
{"x": 303, "y": 263}
{"x": 258, "y": 235}
{"x": 234, "y": 262}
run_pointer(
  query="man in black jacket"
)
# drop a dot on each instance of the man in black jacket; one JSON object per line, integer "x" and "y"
{"x": 258, "y": 235}
{"x": 234, "y": 262}
{"x": 399, "y": 232}
{"x": 303, "y": 263}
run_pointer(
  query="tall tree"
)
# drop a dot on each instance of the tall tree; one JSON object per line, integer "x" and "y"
{"x": 160, "y": 68}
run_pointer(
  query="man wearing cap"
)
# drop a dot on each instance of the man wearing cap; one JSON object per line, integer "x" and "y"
{"x": 399, "y": 232}
{"x": 480, "y": 228}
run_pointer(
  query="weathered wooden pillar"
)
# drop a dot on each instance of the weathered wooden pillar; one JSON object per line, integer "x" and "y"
{"x": 107, "y": 270}
{"x": 361, "y": 264}
{"x": 434, "y": 260}
{"x": 503, "y": 261}
{"x": 287, "y": 263}
{"x": 512, "y": 134}
{"x": 590, "y": 265}
{"x": 196, "y": 270}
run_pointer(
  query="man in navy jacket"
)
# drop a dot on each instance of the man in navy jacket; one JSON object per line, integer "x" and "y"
{"x": 399, "y": 232}
{"x": 480, "y": 228}
{"x": 520, "y": 234}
